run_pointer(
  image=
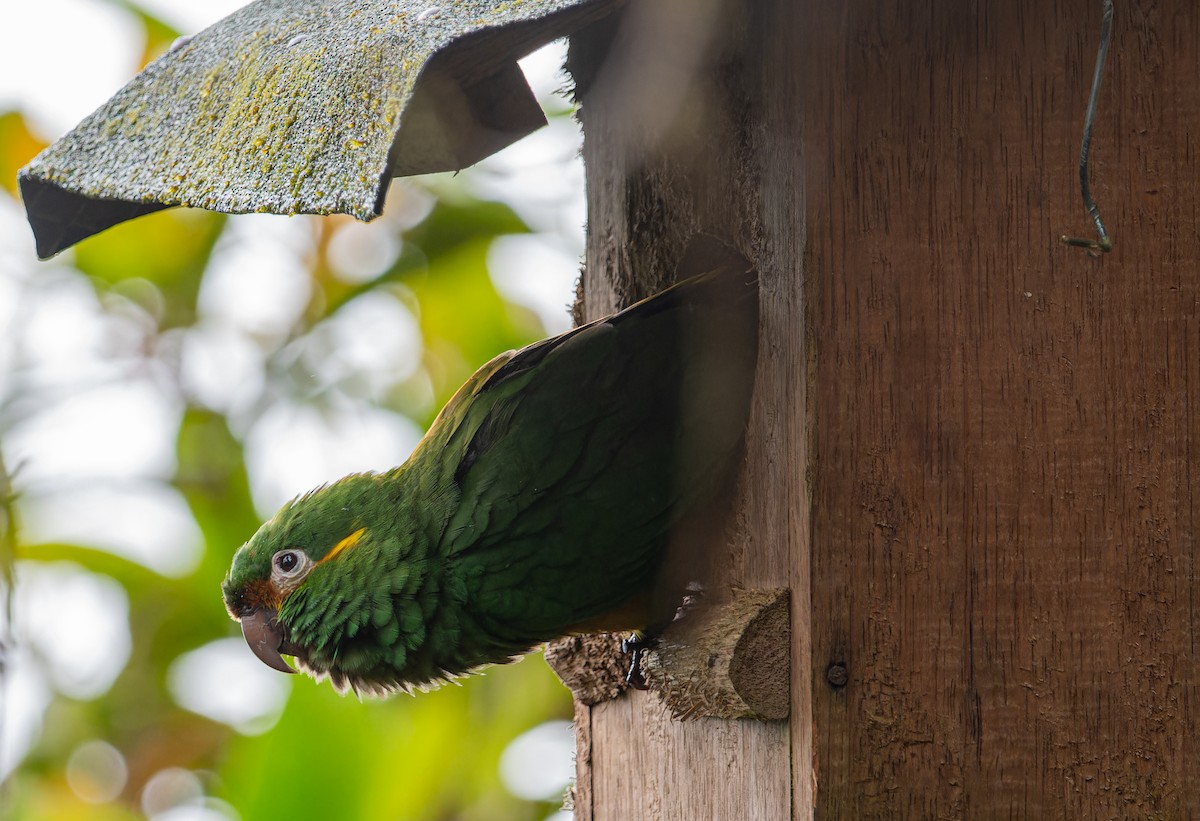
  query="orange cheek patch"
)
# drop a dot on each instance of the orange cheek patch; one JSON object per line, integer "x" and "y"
{"x": 262, "y": 594}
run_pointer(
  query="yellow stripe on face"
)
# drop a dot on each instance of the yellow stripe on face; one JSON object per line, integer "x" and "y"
{"x": 345, "y": 544}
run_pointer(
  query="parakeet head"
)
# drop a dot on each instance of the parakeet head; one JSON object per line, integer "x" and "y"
{"x": 286, "y": 584}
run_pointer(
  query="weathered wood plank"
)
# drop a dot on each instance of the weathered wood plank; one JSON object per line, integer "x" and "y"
{"x": 972, "y": 447}
{"x": 671, "y": 147}
{"x": 1003, "y": 520}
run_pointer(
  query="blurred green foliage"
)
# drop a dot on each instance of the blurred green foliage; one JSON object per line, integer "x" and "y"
{"x": 434, "y": 756}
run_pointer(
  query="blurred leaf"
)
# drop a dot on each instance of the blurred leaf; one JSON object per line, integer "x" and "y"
{"x": 464, "y": 320}
{"x": 54, "y": 801}
{"x": 18, "y": 145}
{"x": 168, "y": 249}
{"x": 442, "y": 747}
{"x": 8, "y": 551}
{"x": 451, "y": 225}
{"x": 159, "y": 34}
{"x": 132, "y": 576}
{"x": 212, "y": 478}
{"x": 448, "y": 228}
{"x": 168, "y": 615}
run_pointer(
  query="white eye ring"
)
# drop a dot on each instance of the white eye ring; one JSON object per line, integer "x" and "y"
{"x": 290, "y": 564}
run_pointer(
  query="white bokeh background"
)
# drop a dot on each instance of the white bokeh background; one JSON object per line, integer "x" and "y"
{"x": 78, "y": 365}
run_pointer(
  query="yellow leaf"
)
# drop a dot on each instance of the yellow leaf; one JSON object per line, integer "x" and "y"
{"x": 18, "y": 145}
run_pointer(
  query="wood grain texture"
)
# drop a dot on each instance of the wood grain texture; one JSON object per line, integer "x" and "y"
{"x": 971, "y": 451}
{"x": 674, "y": 145}
{"x": 1003, "y": 526}
{"x": 729, "y": 658}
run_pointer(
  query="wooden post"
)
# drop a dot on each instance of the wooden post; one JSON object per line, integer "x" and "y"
{"x": 971, "y": 454}
{"x": 681, "y": 134}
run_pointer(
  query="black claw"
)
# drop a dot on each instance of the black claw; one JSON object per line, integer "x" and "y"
{"x": 635, "y": 678}
{"x": 636, "y": 645}
{"x": 647, "y": 639}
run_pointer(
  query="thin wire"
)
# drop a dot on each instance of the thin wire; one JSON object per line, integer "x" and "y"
{"x": 1104, "y": 243}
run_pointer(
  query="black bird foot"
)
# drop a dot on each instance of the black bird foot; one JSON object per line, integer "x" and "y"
{"x": 636, "y": 645}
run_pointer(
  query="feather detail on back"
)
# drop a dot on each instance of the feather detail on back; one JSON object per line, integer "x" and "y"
{"x": 575, "y": 456}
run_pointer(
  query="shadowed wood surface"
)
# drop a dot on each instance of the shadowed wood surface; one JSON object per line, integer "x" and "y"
{"x": 998, "y": 430}
{"x": 670, "y": 149}
{"x": 1003, "y": 522}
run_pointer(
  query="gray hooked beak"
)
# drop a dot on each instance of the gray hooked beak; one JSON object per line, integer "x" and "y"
{"x": 265, "y": 637}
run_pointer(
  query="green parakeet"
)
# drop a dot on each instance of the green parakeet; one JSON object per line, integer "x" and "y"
{"x": 540, "y": 502}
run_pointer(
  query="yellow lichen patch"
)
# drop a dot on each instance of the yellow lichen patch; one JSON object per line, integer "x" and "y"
{"x": 345, "y": 544}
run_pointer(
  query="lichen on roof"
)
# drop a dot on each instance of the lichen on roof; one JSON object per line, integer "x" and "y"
{"x": 300, "y": 106}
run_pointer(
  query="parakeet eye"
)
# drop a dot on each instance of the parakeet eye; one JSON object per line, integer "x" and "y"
{"x": 288, "y": 564}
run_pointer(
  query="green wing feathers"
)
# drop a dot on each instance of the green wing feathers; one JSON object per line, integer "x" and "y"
{"x": 574, "y": 457}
